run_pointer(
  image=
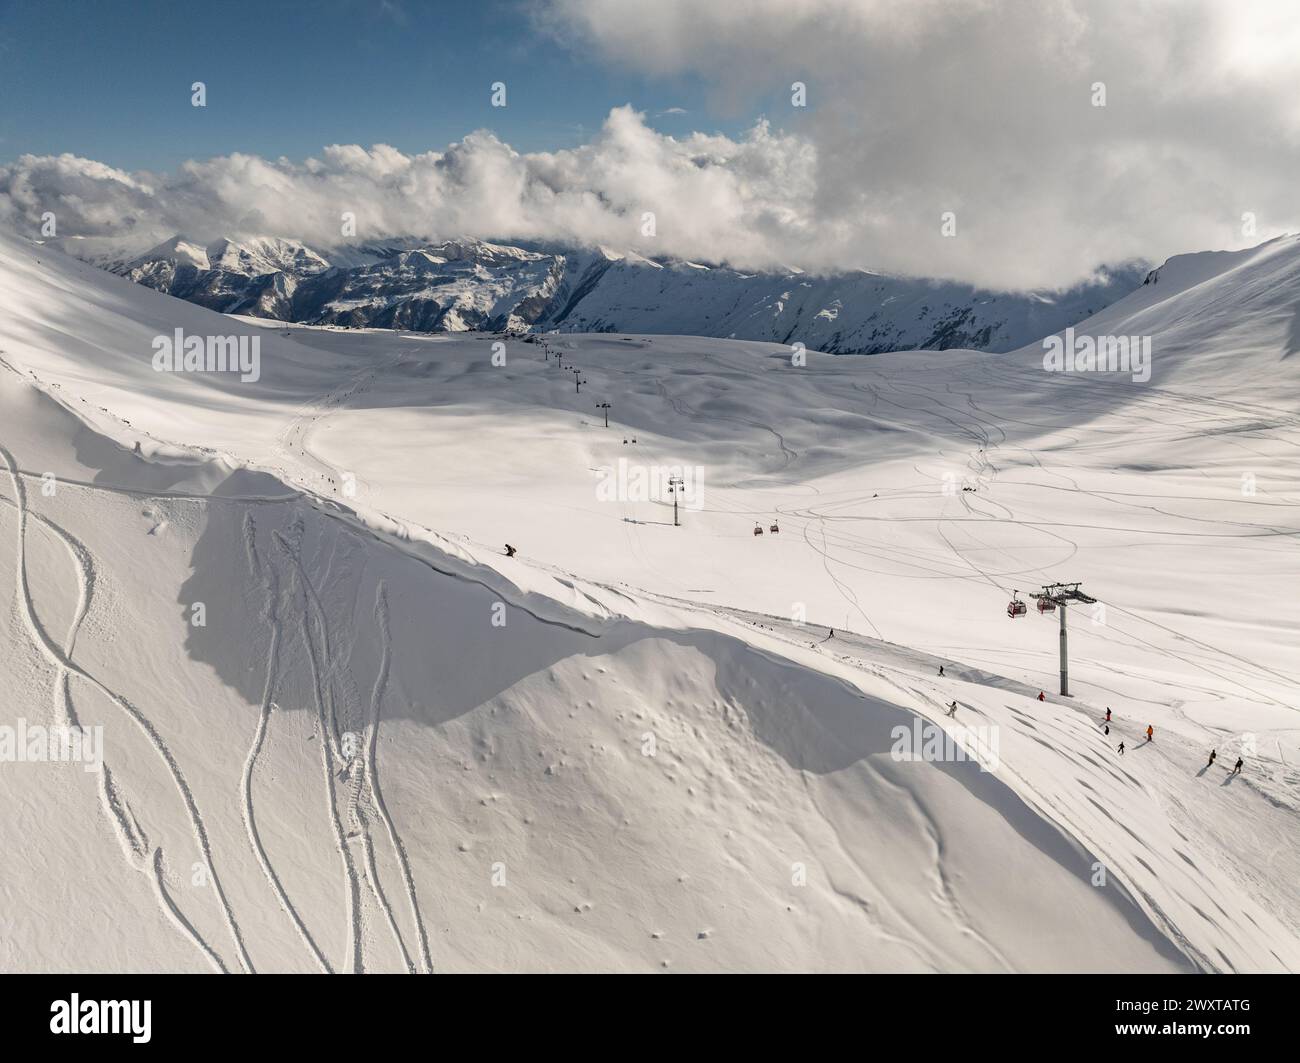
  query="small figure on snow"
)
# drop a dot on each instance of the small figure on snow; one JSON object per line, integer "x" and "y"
{"x": 952, "y": 709}
{"x": 1236, "y": 769}
{"x": 1042, "y": 696}
{"x": 1121, "y": 749}
{"x": 1213, "y": 754}
{"x": 510, "y": 550}
{"x": 1108, "y": 715}
{"x": 940, "y": 671}
{"x": 1151, "y": 734}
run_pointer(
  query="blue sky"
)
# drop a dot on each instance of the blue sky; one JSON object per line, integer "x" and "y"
{"x": 111, "y": 80}
{"x": 915, "y": 111}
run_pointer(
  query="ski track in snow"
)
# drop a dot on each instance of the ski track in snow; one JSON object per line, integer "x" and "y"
{"x": 135, "y": 843}
{"x": 59, "y": 659}
{"x": 177, "y": 917}
{"x": 329, "y": 745}
{"x": 271, "y": 585}
{"x": 372, "y": 774}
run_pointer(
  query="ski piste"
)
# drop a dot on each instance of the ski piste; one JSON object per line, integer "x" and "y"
{"x": 599, "y": 488}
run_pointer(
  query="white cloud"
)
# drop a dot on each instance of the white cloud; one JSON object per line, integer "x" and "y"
{"x": 713, "y": 197}
{"x": 980, "y": 107}
{"x": 984, "y": 108}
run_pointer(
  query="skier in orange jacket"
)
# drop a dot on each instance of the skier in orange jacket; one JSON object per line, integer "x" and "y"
{"x": 1151, "y": 734}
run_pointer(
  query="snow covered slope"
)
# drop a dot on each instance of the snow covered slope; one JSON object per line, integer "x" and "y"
{"x": 635, "y": 746}
{"x": 851, "y": 313}
{"x": 470, "y": 284}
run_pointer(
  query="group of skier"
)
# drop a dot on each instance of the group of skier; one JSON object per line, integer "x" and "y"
{"x": 1151, "y": 737}
{"x": 1105, "y": 723}
{"x": 1236, "y": 768}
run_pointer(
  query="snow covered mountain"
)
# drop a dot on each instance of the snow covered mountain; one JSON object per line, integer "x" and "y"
{"x": 383, "y": 745}
{"x": 464, "y": 285}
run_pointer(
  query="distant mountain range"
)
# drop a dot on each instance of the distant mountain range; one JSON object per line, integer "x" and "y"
{"x": 462, "y": 285}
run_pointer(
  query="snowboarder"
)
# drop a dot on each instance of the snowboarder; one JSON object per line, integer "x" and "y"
{"x": 940, "y": 671}
{"x": 831, "y": 635}
{"x": 1151, "y": 734}
{"x": 1108, "y": 728}
{"x": 1108, "y": 715}
{"x": 1213, "y": 754}
{"x": 952, "y": 709}
{"x": 510, "y": 550}
{"x": 1236, "y": 769}
{"x": 1121, "y": 749}
{"x": 1042, "y": 696}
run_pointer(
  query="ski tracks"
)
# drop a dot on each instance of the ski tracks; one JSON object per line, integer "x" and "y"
{"x": 372, "y": 774}
{"x": 270, "y": 582}
{"x": 363, "y": 770}
{"x": 60, "y": 659}
{"x": 329, "y": 750}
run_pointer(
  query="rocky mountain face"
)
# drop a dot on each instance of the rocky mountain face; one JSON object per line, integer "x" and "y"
{"x": 464, "y": 285}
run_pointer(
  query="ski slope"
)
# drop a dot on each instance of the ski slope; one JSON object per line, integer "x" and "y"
{"x": 353, "y": 765}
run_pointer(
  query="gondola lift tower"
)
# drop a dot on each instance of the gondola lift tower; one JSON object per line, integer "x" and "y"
{"x": 1052, "y": 597}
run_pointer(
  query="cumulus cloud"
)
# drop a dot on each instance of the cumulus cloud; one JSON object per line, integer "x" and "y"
{"x": 984, "y": 108}
{"x": 712, "y": 197}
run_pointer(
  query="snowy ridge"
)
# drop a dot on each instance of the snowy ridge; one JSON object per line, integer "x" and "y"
{"x": 472, "y": 284}
{"x": 495, "y": 807}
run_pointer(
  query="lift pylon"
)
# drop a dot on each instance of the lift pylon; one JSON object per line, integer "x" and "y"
{"x": 1060, "y": 596}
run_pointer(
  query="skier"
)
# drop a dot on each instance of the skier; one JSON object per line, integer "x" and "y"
{"x": 1236, "y": 770}
{"x": 1121, "y": 749}
{"x": 1151, "y": 734}
{"x": 1108, "y": 715}
{"x": 1213, "y": 754}
{"x": 1108, "y": 728}
{"x": 940, "y": 671}
{"x": 1042, "y": 696}
{"x": 952, "y": 709}
{"x": 510, "y": 550}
